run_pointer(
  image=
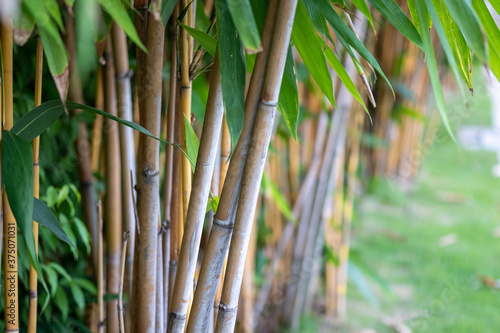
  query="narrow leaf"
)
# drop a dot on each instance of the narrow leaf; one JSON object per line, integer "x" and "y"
{"x": 243, "y": 19}
{"x": 310, "y": 49}
{"x": 432, "y": 66}
{"x": 273, "y": 193}
{"x": 394, "y": 14}
{"x": 119, "y": 14}
{"x": 44, "y": 216}
{"x": 363, "y": 8}
{"x": 167, "y": 7}
{"x": 232, "y": 68}
{"x": 344, "y": 77}
{"x": 288, "y": 102}
{"x": 17, "y": 167}
{"x": 347, "y": 37}
{"x": 490, "y": 27}
{"x": 205, "y": 40}
{"x": 192, "y": 142}
{"x": 461, "y": 11}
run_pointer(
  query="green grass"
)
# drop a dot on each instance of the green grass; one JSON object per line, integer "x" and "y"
{"x": 432, "y": 288}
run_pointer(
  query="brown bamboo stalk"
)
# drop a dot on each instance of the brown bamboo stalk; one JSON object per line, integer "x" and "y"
{"x": 33, "y": 278}
{"x": 218, "y": 242}
{"x": 186, "y": 91}
{"x": 83, "y": 161}
{"x": 169, "y": 162}
{"x": 97, "y": 125}
{"x": 100, "y": 272}
{"x": 125, "y": 239}
{"x": 254, "y": 167}
{"x": 196, "y": 212}
{"x": 176, "y": 204}
{"x": 148, "y": 176}
{"x": 127, "y": 152}
{"x": 160, "y": 314}
{"x": 113, "y": 198}
{"x": 9, "y": 223}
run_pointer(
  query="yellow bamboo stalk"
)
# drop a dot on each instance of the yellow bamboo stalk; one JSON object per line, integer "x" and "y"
{"x": 125, "y": 238}
{"x": 97, "y": 125}
{"x": 9, "y": 223}
{"x": 186, "y": 91}
{"x": 33, "y": 278}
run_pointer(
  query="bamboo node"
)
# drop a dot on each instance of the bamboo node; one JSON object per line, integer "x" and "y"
{"x": 225, "y": 308}
{"x": 148, "y": 173}
{"x": 228, "y": 224}
{"x": 271, "y": 103}
{"x": 126, "y": 235}
{"x": 33, "y": 294}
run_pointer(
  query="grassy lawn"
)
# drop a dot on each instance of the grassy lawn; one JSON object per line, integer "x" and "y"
{"x": 433, "y": 247}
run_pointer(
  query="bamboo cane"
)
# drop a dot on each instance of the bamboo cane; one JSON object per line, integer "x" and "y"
{"x": 125, "y": 239}
{"x": 33, "y": 278}
{"x": 214, "y": 257}
{"x": 169, "y": 162}
{"x": 100, "y": 272}
{"x": 9, "y": 223}
{"x": 196, "y": 212}
{"x": 97, "y": 125}
{"x": 261, "y": 135}
{"x": 83, "y": 162}
{"x": 186, "y": 56}
{"x": 148, "y": 177}
{"x": 113, "y": 198}
{"x": 224, "y": 164}
{"x": 160, "y": 314}
{"x": 127, "y": 153}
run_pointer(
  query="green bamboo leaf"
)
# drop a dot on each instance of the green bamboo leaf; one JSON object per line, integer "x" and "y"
{"x": 452, "y": 41}
{"x": 119, "y": 14}
{"x": 232, "y": 68}
{"x": 192, "y": 142}
{"x": 414, "y": 16}
{"x": 244, "y": 21}
{"x": 363, "y": 8}
{"x": 432, "y": 66}
{"x": 205, "y": 40}
{"x": 491, "y": 29}
{"x": 78, "y": 296}
{"x": 62, "y": 303}
{"x": 288, "y": 102}
{"x": 393, "y": 13}
{"x": 167, "y": 7}
{"x": 496, "y": 5}
{"x": 24, "y": 23}
{"x": 44, "y": 216}
{"x": 52, "y": 279}
{"x": 54, "y": 49}
{"x": 466, "y": 19}
{"x": 38, "y": 120}
{"x": 310, "y": 49}
{"x": 344, "y": 77}
{"x": 347, "y": 37}
{"x": 495, "y": 63}
{"x": 318, "y": 20}
{"x": 53, "y": 9}
{"x": 17, "y": 167}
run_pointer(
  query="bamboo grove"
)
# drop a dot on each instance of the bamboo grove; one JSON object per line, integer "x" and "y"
{"x": 217, "y": 189}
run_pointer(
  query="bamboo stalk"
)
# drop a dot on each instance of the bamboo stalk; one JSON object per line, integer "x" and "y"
{"x": 160, "y": 314}
{"x": 169, "y": 163}
{"x": 186, "y": 91}
{"x": 97, "y": 125}
{"x": 100, "y": 272}
{"x": 218, "y": 242}
{"x": 125, "y": 239}
{"x": 82, "y": 148}
{"x": 33, "y": 278}
{"x": 127, "y": 153}
{"x": 9, "y": 223}
{"x": 254, "y": 167}
{"x": 113, "y": 197}
{"x": 148, "y": 176}
{"x": 224, "y": 165}
{"x": 196, "y": 212}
